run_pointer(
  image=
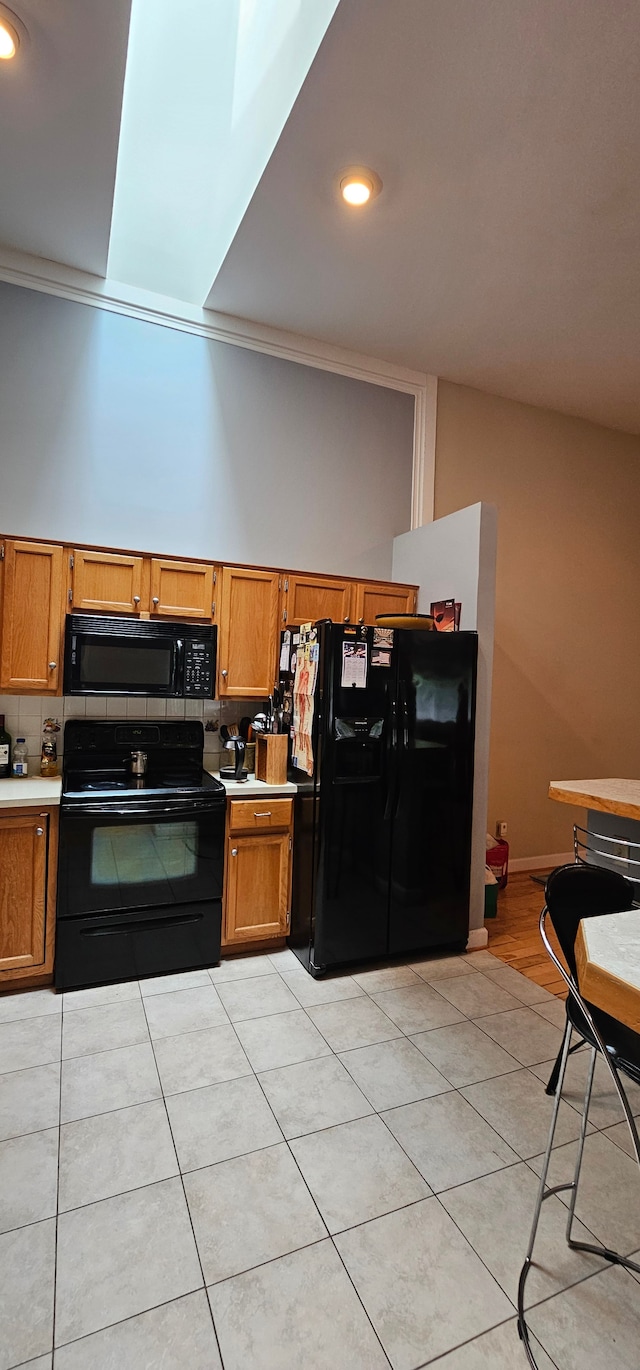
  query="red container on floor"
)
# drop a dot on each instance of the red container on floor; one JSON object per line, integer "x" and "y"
{"x": 498, "y": 862}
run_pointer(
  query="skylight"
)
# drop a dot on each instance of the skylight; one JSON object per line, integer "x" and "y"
{"x": 209, "y": 86}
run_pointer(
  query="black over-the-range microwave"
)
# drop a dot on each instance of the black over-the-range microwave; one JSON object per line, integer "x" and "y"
{"x": 127, "y": 656}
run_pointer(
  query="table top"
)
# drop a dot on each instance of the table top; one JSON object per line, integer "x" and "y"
{"x": 606, "y": 796}
{"x": 608, "y": 964}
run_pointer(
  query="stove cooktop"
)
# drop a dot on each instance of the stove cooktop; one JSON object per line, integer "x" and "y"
{"x": 87, "y": 784}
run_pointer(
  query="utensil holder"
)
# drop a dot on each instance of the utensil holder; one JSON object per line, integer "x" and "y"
{"x": 271, "y": 758}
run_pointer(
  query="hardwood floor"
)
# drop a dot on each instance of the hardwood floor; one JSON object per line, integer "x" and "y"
{"x": 514, "y": 935}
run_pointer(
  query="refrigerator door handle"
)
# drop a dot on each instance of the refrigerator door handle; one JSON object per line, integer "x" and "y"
{"x": 392, "y": 756}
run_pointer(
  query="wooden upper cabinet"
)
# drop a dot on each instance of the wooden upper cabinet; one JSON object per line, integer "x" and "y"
{"x": 181, "y": 589}
{"x": 307, "y": 598}
{"x": 107, "y": 582}
{"x": 32, "y": 617}
{"x": 248, "y": 633}
{"x": 371, "y": 600}
{"x": 23, "y": 890}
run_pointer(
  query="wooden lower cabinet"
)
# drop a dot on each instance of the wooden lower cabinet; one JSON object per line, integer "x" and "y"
{"x": 258, "y": 860}
{"x": 28, "y": 867}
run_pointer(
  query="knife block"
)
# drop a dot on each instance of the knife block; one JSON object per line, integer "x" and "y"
{"x": 271, "y": 758}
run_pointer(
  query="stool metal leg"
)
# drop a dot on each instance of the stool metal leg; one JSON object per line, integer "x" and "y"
{"x": 583, "y": 1132}
{"x": 543, "y": 1193}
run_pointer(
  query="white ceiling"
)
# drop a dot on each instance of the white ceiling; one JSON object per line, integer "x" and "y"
{"x": 60, "y": 104}
{"x": 504, "y": 250}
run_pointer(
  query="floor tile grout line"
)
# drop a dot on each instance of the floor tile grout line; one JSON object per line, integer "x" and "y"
{"x": 55, "y": 1248}
{"x": 184, "y": 1193}
{"x": 329, "y": 1236}
{"x": 131, "y": 1317}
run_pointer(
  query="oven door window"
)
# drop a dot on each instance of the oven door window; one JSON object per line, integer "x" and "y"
{"x": 150, "y": 854}
{"x": 115, "y": 665}
{"x": 132, "y": 863}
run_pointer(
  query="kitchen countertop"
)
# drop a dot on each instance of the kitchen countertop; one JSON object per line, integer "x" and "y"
{"x": 27, "y": 793}
{"x": 250, "y": 788}
{"x": 621, "y": 797}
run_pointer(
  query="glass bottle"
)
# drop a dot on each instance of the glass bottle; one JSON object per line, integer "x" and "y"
{"x": 49, "y": 754}
{"x": 20, "y": 767}
{"x": 5, "y": 750}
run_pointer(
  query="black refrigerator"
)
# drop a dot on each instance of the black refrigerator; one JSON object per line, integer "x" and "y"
{"x": 382, "y": 832}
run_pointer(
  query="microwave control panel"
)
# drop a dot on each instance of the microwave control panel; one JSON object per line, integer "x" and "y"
{"x": 198, "y": 669}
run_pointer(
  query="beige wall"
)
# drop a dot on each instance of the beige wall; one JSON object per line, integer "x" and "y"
{"x": 566, "y": 685}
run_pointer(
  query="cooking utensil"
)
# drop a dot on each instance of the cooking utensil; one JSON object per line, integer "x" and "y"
{"x": 138, "y": 763}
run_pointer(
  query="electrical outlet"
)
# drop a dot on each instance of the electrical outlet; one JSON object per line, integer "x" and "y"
{"x": 501, "y": 829}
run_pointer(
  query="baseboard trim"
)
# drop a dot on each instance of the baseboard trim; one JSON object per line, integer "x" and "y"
{"x": 540, "y": 863}
{"x": 478, "y": 938}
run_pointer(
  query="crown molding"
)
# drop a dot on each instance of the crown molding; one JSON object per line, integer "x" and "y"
{"x": 68, "y": 283}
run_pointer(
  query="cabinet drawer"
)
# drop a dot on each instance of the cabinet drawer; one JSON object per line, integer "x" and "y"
{"x": 257, "y": 815}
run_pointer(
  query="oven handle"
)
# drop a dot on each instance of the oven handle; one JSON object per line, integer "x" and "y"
{"x": 151, "y": 924}
{"x": 180, "y": 811}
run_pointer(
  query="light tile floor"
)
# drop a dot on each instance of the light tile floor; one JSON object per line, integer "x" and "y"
{"x": 253, "y": 1170}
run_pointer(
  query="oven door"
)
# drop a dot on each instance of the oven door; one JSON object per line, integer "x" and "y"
{"x": 122, "y": 663}
{"x": 123, "y": 859}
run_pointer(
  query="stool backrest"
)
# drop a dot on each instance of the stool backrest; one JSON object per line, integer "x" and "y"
{"x": 580, "y": 891}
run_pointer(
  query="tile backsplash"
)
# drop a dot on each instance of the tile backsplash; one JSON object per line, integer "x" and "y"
{"x": 25, "y": 715}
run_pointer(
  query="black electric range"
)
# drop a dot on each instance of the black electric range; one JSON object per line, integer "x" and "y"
{"x": 141, "y": 856}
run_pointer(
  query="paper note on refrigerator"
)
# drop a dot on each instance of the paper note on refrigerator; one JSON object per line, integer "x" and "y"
{"x": 354, "y": 665}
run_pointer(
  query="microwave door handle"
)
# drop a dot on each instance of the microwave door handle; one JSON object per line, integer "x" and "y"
{"x": 177, "y": 684}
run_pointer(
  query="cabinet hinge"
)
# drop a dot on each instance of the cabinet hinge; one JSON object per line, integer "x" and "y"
{"x": 288, "y": 919}
{"x": 71, "y": 562}
{"x": 215, "y": 577}
{"x": 286, "y": 582}
{"x": 1, "y": 551}
{"x": 284, "y": 615}
{"x": 70, "y": 596}
{"x": 213, "y": 608}
{"x": 290, "y": 844}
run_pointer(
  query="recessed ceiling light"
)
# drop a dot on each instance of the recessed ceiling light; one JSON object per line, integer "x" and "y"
{"x": 358, "y": 185}
{"x": 12, "y": 32}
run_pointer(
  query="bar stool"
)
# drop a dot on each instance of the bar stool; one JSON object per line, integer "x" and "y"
{"x": 574, "y": 892}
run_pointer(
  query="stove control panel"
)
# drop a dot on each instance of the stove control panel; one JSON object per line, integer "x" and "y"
{"x": 198, "y": 669}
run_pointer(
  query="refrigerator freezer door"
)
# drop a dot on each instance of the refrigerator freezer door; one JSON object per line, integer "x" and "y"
{"x": 432, "y": 808}
{"x": 353, "y": 851}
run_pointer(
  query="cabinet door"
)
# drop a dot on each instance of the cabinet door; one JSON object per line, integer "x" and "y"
{"x": 371, "y": 600}
{"x": 23, "y": 875}
{"x": 32, "y": 618}
{"x": 257, "y": 885}
{"x": 306, "y": 598}
{"x": 248, "y": 633}
{"x": 181, "y": 589}
{"x": 107, "y": 582}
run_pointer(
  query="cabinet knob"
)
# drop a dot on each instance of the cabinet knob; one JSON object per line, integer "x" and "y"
{"x": 52, "y": 665}
{"x": 234, "y": 851}
{"x": 39, "y": 832}
{"x": 224, "y": 673}
{"x": 136, "y": 599}
{"x": 361, "y": 620}
{"x": 155, "y": 599}
{"x": 346, "y": 618}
